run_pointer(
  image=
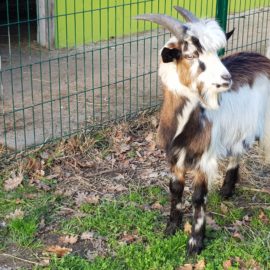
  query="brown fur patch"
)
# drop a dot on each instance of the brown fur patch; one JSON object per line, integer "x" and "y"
{"x": 200, "y": 88}
{"x": 172, "y": 105}
{"x": 183, "y": 68}
{"x": 179, "y": 173}
{"x": 245, "y": 66}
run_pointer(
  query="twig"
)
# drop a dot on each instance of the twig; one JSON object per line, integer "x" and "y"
{"x": 17, "y": 258}
{"x": 263, "y": 190}
{"x": 104, "y": 172}
{"x": 217, "y": 214}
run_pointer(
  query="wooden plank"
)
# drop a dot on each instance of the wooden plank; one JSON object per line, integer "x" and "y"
{"x": 45, "y": 29}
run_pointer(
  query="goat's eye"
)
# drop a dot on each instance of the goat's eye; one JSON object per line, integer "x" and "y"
{"x": 191, "y": 56}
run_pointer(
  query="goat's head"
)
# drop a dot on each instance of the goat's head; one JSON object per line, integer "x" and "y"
{"x": 193, "y": 50}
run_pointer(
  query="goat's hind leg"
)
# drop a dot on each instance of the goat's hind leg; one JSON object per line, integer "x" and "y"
{"x": 176, "y": 189}
{"x": 231, "y": 177}
{"x": 195, "y": 243}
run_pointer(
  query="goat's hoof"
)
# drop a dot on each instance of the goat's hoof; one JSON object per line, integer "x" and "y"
{"x": 171, "y": 228}
{"x": 195, "y": 246}
{"x": 226, "y": 192}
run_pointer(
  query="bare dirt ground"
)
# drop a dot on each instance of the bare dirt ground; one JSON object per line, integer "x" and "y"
{"x": 52, "y": 93}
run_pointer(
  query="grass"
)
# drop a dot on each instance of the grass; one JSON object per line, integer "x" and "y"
{"x": 126, "y": 227}
{"x": 129, "y": 215}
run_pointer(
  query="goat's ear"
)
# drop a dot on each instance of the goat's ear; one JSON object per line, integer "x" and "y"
{"x": 168, "y": 55}
{"x": 229, "y": 34}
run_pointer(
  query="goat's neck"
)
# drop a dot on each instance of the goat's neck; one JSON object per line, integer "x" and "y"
{"x": 175, "y": 113}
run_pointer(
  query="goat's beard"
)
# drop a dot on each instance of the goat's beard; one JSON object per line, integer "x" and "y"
{"x": 210, "y": 100}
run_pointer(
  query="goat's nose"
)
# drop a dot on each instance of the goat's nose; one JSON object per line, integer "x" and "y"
{"x": 226, "y": 77}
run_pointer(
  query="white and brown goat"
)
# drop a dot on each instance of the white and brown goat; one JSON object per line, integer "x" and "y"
{"x": 213, "y": 108}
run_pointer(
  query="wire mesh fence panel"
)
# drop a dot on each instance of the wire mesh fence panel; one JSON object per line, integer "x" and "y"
{"x": 72, "y": 65}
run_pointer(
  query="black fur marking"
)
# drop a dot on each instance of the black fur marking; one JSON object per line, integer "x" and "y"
{"x": 197, "y": 44}
{"x": 168, "y": 55}
{"x": 228, "y": 187}
{"x": 176, "y": 215}
{"x": 193, "y": 129}
{"x": 246, "y": 145}
{"x": 185, "y": 47}
{"x": 202, "y": 66}
{"x": 198, "y": 195}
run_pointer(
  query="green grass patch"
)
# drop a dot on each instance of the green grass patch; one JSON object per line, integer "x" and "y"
{"x": 35, "y": 205}
{"x": 131, "y": 213}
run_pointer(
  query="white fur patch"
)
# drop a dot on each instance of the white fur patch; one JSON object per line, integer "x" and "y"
{"x": 200, "y": 221}
{"x": 209, "y": 33}
{"x": 233, "y": 162}
{"x": 192, "y": 242}
{"x": 183, "y": 117}
{"x": 181, "y": 158}
{"x": 179, "y": 206}
{"x": 239, "y": 119}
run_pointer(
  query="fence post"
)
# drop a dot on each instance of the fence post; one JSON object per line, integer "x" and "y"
{"x": 221, "y": 17}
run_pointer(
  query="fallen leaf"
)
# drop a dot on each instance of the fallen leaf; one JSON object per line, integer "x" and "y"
{"x": 252, "y": 264}
{"x": 224, "y": 208}
{"x": 237, "y": 235}
{"x": 87, "y": 235}
{"x": 68, "y": 239}
{"x": 91, "y": 255}
{"x": 212, "y": 223}
{"x": 59, "y": 251}
{"x": 92, "y": 199}
{"x": 45, "y": 262}
{"x": 149, "y": 137}
{"x": 200, "y": 265}
{"x": 186, "y": 266}
{"x": 17, "y": 214}
{"x": 246, "y": 218}
{"x": 156, "y": 206}
{"x": 83, "y": 197}
{"x": 128, "y": 238}
{"x": 263, "y": 217}
{"x": 116, "y": 188}
{"x": 187, "y": 228}
{"x": 227, "y": 264}
{"x": 13, "y": 182}
{"x": 124, "y": 148}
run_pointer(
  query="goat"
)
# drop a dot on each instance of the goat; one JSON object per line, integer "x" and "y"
{"x": 213, "y": 108}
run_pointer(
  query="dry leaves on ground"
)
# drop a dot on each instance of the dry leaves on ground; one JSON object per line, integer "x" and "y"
{"x": 200, "y": 265}
{"x": 227, "y": 264}
{"x": 17, "y": 214}
{"x": 187, "y": 228}
{"x": 83, "y": 197}
{"x": 58, "y": 251}
{"x": 68, "y": 239}
{"x": 87, "y": 235}
{"x": 13, "y": 182}
{"x": 263, "y": 217}
{"x": 128, "y": 238}
{"x": 156, "y": 206}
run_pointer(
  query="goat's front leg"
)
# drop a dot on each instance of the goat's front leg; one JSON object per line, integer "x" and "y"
{"x": 231, "y": 177}
{"x": 176, "y": 189}
{"x": 195, "y": 243}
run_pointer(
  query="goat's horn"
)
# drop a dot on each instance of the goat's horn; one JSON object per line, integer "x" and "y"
{"x": 189, "y": 17}
{"x": 172, "y": 24}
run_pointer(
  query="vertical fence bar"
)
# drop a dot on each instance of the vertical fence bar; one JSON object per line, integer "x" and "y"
{"x": 221, "y": 17}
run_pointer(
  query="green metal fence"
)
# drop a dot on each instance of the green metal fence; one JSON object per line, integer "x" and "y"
{"x": 72, "y": 65}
